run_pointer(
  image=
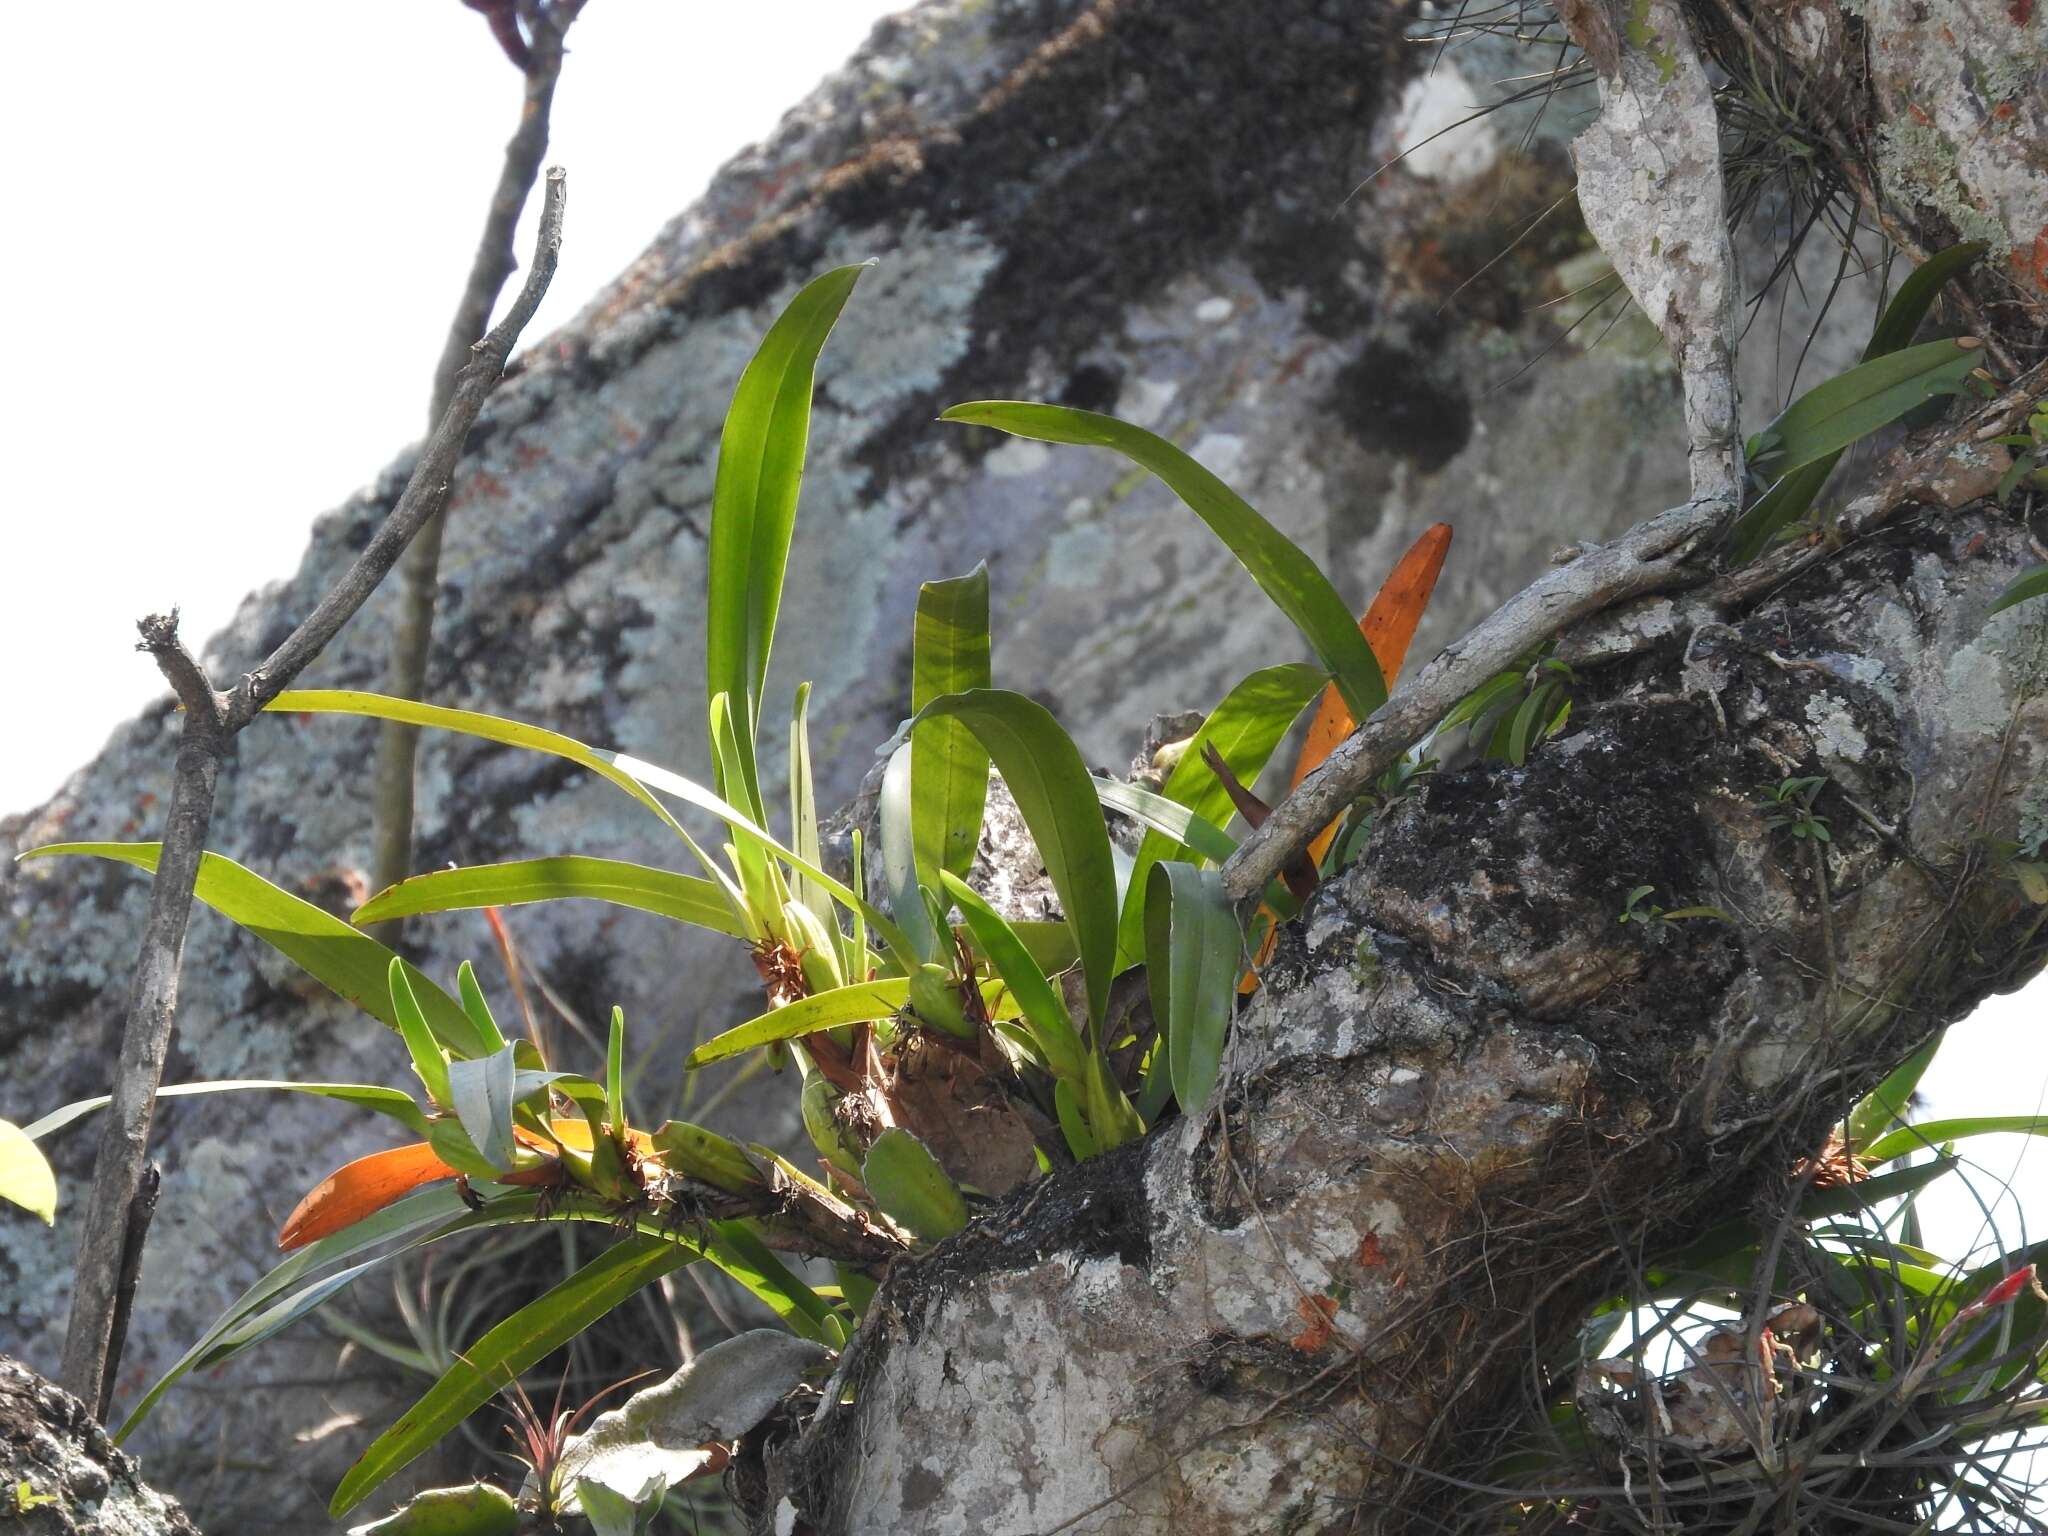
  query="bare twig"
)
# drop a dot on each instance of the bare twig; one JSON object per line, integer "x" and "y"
{"x": 211, "y": 721}
{"x": 141, "y": 1210}
{"x": 1651, "y": 557}
{"x": 420, "y": 574}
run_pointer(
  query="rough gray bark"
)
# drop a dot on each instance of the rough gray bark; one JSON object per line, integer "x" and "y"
{"x": 1354, "y": 367}
{"x": 76, "y": 1483}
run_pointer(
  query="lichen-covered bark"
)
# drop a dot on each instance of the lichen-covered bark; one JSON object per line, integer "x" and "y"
{"x": 60, "y": 1475}
{"x": 1466, "y": 1092}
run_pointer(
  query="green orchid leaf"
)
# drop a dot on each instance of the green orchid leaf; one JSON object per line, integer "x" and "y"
{"x": 482, "y": 1093}
{"x": 420, "y": 1043}
{"x": 352, "y": 965}
{"x": 1792, "y": 494}
{"x": 25, "y": 1175}
{"x": 473, "y": 1004}
{"x": 1885, "y": 1105}
{"x": 685, "y": 898}
{"x": 862, "y": 1000}
{"x": 753, "y": 509}
{"x": 2030, "y": 584}
{"x": 1182, "y": 826}
{"x": 1929, "y": 1135}
{"x": 515, "y": 1345}
{"x": 1045, "y": 1013}
{"x": 1193, "y": 956}
{"x": 1056, "y": 797}
{"x": 1283, "y": 572}
{"x": 479, "y": 1509}
{"x": 1245, "y": 729}
{"x": 896, "y": 817}
{"x": 948, "y": 766}
{"x": 371, "y": 1096}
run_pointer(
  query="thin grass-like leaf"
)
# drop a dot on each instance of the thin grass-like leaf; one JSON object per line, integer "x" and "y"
{"x": 852, "y": 1004}
{"x": 513, "y": 1346}
{"x": 1283, "y": 572}
{"x": 2031, "y": 583}
{"x": 685, "y": 898}
{"x": 371, "y": 1096}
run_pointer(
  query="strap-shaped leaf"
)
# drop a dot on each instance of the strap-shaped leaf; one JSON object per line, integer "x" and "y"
{"x": 473, "y": 1004}
{"x": 477, "y": 1509}
{"x": 1885, "y": 1105}
{"x": 1789, "y": 497}
{"x": 806, "y": 1016}
{"x": 1929, "y": 1134}
{"x": 1056, "y": 797}
{"x": 1245, "y": 729}
{"x": 1192, "y": 955}
{"x": 948, "y": 766}
{"x": 753, "y": 508}
{"x": 1854, "y": 404}
{"x": 371, "y": 1096}
{"x": 685, "y": 898}
{"x": 1044, "y": 1011}
{"x": 352, "y": 965}
{"x": 2031, "y": 583}
{"x": 1284, "y": 573}
{"x": 513, "y": 1346}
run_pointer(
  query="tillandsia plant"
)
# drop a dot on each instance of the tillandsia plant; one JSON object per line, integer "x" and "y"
{"x": 1825, "y": 1350}
{"x": 942, "y": 1051}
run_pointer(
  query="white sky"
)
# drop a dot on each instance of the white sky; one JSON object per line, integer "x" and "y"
{"x": 234, "y": 235}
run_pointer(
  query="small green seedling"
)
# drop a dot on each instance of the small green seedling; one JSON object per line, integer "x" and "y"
{"x": 1655, "y": 920}
{"x": 2029, "y": 456}
{"x": 1792, "y": 808}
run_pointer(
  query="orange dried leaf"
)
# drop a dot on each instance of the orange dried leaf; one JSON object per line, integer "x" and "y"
{"x": 358, "y": 1189}
{"x": 1389, "y": 628}
{"x": 1316, "y": 1312}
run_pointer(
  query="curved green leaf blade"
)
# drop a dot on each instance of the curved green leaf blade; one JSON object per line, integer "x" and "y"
{"x": 1193, "y": 954}
{"x": 422, "y": 1217}
{"x": 686, "y": 898}
{"x": 2031, "y": 583}
{"x": 513, "y": 1346}
{"x": 1916, "y": 296}
{"x": 1929, "y": 1135}
{"x": 1176, "y": 822}
{"x": 352, "y": 965}
{"x": 1056, "y": 797}
{"x": 420, "y": 1043}
{"x": 1245, "y": 729}
{"x": 1853, "y": 404}
{"x": 740, "y": 1253}
{"x": 1052, "y": 1031}
{"x": 26, "y": 1178}
{"x": 473, "y": 1004}
{"x": 753, "y": 507}
{"x": 371, "y": 1096}
{"x": 948, "y": 765}
{"x": 1284, "y": 573}
{"x": 851, "y": 1004}
{"x": 1885, "y": 1105}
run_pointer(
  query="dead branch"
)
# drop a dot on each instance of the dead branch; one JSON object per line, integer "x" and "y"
{"x": 419, "y": 575}
{"x": 211, "y": 721}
